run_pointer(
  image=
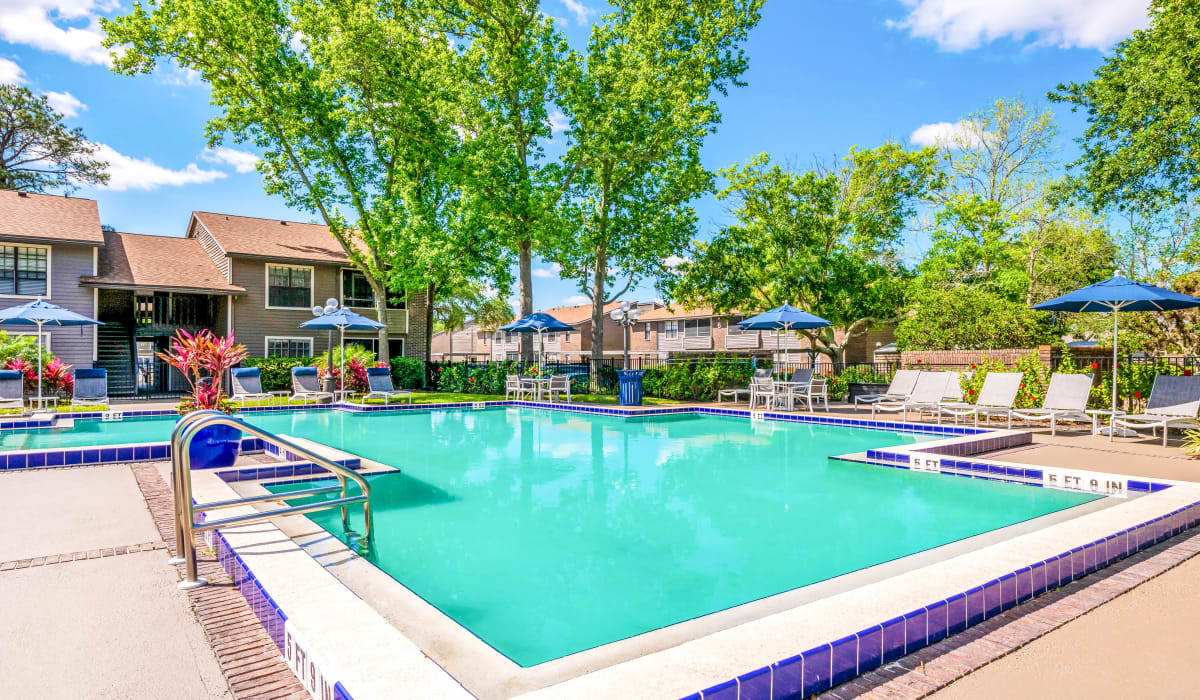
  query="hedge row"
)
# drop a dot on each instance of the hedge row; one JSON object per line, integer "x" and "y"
{"x": 407, "y": 373}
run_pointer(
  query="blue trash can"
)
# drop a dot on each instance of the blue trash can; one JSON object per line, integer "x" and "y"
{"x": 630, "y": 386}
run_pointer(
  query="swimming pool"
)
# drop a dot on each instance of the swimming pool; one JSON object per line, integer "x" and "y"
{"x": 546, "y": 533}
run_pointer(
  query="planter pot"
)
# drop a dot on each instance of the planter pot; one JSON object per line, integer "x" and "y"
{"x": 860, "y": 388}
{"x": 630, "y": 386}
{"x": 215, "y": 447}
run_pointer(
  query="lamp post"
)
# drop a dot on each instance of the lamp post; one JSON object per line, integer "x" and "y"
{"x": 331, "y": 305}
{"x": 625, "y": 317}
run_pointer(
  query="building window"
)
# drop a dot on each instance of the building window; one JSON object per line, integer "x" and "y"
{"x": 289, "y": 287}
{"x": 733, "y": 329}
{"x": 357, "y": 292}
{"x": 646, "y": 331}
{"x": 24, "y": 271}
{"x": 700, "y": 328}
{"x": 670, "y": 330}
{"x": 289, "y": 347}
{"x": 551, "y": 336}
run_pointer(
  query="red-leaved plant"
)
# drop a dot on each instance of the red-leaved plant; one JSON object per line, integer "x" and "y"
{"x": 203, "y": 359}
{"x": 57, "y": 378}
{"x": 26, "y": 370}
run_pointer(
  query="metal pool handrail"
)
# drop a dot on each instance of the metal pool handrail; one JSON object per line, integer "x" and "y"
{"x": 185, "y": 510}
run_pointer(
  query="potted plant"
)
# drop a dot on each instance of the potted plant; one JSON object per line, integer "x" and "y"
{"x": 203, "y": 359}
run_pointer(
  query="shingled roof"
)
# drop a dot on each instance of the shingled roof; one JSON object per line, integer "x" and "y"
{"x": 275, "y": 239}
{"x": 49, "y": 218}
{"x": 167, "y": 263}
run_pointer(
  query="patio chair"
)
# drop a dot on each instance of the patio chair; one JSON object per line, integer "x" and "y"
{"x": 91, "y": 387}
{"x": 900, "y": 389}
{"x": 306, "y": 385}
{"x": 1066, "y": 399}
{"x": 762, "y": 372}
{"x": 763, "y": 389}
{"x": 559, "y": 384}
{"x": 515, "y": 386}
{"x": 379, "y": 386}
{"x": 246, "y": 384}
{"x": 800, "y": 383}
{"x": 927, "y": 396}
{"x": 12, "y": 389}
{"x": 818, "y": 390}
{"x": 1174, "y": 403}
{"x": 954, "y": 392}
{"x": 996, "y": 398}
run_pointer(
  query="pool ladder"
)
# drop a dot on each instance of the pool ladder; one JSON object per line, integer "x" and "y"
{"x": 185, "y": 509}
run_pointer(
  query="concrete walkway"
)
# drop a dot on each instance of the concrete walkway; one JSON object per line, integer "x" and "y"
{"x": 1137, "y": 646}
{"x": 90, "y": 607}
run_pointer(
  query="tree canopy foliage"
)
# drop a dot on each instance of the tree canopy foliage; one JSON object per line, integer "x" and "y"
{"x": 827, "y": 239}
{"x": 38, "y": 153}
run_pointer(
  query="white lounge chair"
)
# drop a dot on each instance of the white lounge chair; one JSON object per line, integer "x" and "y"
{"x": 926, "y": 397}
{"x": 763, "y": 389}
{"x": 12, "y": 389}
{"x": 996, "y": 398}
{"x": 1174, "y": 403}
{"x": 91, "y": 387}
{"x": 560, "y": 385}
{"x": 379, "y": 385}
{"x": 246, "y": 383}
{"x": 900, "y": 389}
{"x": 306, "y": 385}
{"x": 1066, "y": 399}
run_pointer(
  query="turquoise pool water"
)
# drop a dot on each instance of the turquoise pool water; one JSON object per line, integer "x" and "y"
{"x": 547, "y": 533}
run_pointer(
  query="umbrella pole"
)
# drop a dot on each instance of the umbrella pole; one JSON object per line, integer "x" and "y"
{"x": 342, "y": 347}
{"x": 38, "y": 369}
{"x": 1112, "y": 419}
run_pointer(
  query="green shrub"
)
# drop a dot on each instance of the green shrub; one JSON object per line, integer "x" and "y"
{"x": 839, "y": 384}
{"x": 408, "y": 373}
{"x": 23, "y": 347}
{"x": 696, "y": 381}
{"x": 277, "y": 371}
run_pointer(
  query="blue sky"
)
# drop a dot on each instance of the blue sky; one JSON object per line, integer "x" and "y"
{"x": 824, "y": 76}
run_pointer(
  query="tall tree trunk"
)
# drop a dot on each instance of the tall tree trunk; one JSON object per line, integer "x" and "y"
{"x": 430, "y": 295}
{"x": 599, "y": 277}
{"x": 380, "y": 293}
{"x": 525, "y": 262}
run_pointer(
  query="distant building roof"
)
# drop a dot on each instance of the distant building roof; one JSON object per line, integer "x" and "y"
{"x": 271, "y": 238}
{"x": 49, "y": 217}
{"x": 168, "y": 263}
{"x": 674, "y": 311}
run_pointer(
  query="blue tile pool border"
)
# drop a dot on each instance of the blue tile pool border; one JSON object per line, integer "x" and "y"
{"x": 827, "y": 665}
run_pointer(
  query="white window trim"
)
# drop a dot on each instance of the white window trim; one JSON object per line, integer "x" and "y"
{"x": 267, "y": 342}
{"x": 49, "y": 270}
{"x": 388, "y": 312}
{"x": 312, "y": 286}
{"x": 46, "y": 336}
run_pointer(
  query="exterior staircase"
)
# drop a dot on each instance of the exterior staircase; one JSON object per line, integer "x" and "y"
{"x": 115, "y": 354}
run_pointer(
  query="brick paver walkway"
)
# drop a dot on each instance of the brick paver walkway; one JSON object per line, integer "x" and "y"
{"x": 249, "y": 659}
{"x": 78, "y": 556}
{"x": 937, "y": 666}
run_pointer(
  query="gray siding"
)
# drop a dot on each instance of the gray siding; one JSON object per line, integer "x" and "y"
{"x": 67, "y": 264}
{"x": 210, "y": 246}
{"x": 253, "y": 323}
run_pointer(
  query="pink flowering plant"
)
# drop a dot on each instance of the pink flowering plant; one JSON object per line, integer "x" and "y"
{"x": 203, "y": 359}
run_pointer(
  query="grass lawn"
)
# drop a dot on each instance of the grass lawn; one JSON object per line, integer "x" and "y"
{"x": 59, "y": 408}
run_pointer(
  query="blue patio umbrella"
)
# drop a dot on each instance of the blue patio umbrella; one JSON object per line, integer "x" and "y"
{"x": 42, "y": 313}
{"x": 536, "y": 323}
{"x": 1118, "y": 294}
{"x": 783, "y": 318}
{"x": 342, "y": 320}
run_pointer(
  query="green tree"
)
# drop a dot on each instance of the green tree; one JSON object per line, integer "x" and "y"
{"x": 344, "y": 99}
{"x": 828, "y": 240}
{"x": 640, "y": 104}
{"x": 970, "y": 318}
{"x": 37, "y": 151}
{"x": 1142, "y": 142}
{"x": 511, "y": 58}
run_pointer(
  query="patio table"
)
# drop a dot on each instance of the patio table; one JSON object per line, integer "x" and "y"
{"x": 790, "y": 388}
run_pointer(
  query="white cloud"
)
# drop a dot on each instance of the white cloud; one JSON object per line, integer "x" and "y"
{"x": 241, "y": 161}
{"x": 558, "y": 122}
{"x": 549, "y": 273}
{"x": 674, "y": 261}
{"x": 128, "y": 173}
{"x": 66, "y": 103}
{"x": 575, "y": 300}
{"x": 959, "y": 25}
{"x": 67, "y": 27}
{"x": 582, "y": 12}
{"x": 946, "y": 134}
{"x": 10, "y": 73}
